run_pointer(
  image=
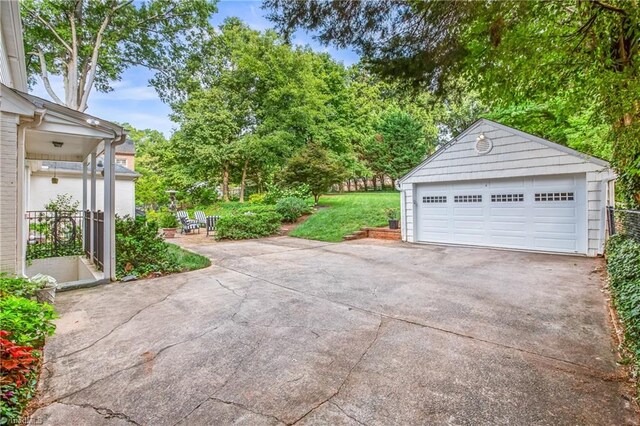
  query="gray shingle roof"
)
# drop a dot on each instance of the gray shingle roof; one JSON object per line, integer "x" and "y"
{"x": 128, "y": 147}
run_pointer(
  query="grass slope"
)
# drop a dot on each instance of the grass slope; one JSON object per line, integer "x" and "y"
{"x": 345, "y": 214}
{"x": 188, "y": 261}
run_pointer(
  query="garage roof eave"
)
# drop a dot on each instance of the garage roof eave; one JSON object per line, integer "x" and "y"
{"x": 506, "y": 128}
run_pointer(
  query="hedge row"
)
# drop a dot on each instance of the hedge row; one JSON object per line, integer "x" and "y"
{"x": 623, "y": 265}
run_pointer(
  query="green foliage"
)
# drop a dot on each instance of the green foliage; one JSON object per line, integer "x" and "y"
{"x": 277, "y": 192}
{"x": 16, "y": 286}
{"x": 91, "y": 43}
{"x": 248, "y": 225}
{"x": 167, "y": 220}
{"x": 257, "y": 198}
{"x": 14, "y": 399}
{"x": 291, "y": 208}
{"x": 316, "y": 167}
{"x": 62, "y": 203}
{"x": 623, "y": 265}
{"x": 347, "y": 213}
{"x": 27, "y": 321}
{"x": 392, "y": 213}
{"x": 140, "y": 250}
{"x": 187, "y": 260}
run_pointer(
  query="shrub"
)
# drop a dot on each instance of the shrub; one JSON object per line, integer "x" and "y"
{"x": 167, "y": 220}
{"x": 623, "y": 265}
{"x": 291, "y": 208}
{"x": 248, "y": 225}
{"x": 257, "y": 198}
{"x": 27, "y": 321}
{"x": 274, "y": 192}
{"x": 16, "y": 286}
{"x": 140, "y": 250}
{"x": 392, "y": 213}
{"x": 18, "y": 381}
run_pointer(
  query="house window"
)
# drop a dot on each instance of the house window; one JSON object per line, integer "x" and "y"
{"x": 435, "y": 199}
{"x": 554, "y": 196}
{"x": 506, "y": 198}
{"x": 467, "y": 199}
{"x": 121, "y": 161}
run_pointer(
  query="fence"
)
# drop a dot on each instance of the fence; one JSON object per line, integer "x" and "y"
{"x": 54, "y": 234}
{"x": 98, "y": 237}
{"x": 626, "y": 222}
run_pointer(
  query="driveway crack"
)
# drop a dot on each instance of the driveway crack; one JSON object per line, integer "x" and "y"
{"x": 138, "y": 312}
{"x": 346, "y": 378}
{"x": 107, "y": 413}
{"x": 347, "y": 414}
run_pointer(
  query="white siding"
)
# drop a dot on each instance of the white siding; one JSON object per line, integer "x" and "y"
{"x": 513, "y": 155}
{"x": 41, "y": 191}
{"x": 8, "y": 192}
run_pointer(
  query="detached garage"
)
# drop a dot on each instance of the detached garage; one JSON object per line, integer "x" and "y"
{"x": 496, "y": 186}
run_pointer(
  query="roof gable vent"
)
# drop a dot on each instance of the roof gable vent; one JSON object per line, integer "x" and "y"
{"x": 483, "y": 144}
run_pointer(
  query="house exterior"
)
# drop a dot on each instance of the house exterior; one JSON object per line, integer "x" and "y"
{"x": 69, "y": 174}
{"x": 496, "y": 186}
{"x": 35, "y": 130}
{"x": 126, "y": 155}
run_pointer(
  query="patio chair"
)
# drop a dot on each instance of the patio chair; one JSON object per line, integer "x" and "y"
{"x": 211, "y": 223}
{"x": 201, "y": 218}
{"x": 188, "y": 224}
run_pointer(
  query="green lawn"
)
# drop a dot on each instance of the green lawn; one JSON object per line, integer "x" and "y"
{"x": 345, "y": 214}
{"x": 188, "y": 261}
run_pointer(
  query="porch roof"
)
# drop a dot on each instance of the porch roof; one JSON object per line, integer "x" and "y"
{"x": 55, "y": 132}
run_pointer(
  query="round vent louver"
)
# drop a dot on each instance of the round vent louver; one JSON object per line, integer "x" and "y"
{"x": 483, "y": 144}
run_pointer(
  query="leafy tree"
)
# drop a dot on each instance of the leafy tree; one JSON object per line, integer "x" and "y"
{"x": 90, "y": 43}
{"x": 315, "y": 166}
{"x": 580, "y": 54}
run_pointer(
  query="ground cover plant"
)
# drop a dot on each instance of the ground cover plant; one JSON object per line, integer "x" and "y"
{"x": 24, "y": 325}
{"x": 623, "y": 265}
{"x": 345, "y": 214}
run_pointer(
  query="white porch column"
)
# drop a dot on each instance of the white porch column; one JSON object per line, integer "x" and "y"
{"x": 21, "y": 203}
{"x": 85, "y": 173}
{"x": 109, "y": 213}
{"x": 92, "y": 228}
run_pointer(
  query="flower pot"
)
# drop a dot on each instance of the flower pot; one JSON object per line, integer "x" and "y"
{"x": 46, "y": 295}
{"x": 169, "y": 232}
{"x": 393, "y": 223}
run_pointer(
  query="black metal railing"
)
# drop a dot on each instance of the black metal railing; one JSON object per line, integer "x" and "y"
{"x": 98, "y": 238}
{"x": 54, "y": 234}
{"x": 626, "y": 222}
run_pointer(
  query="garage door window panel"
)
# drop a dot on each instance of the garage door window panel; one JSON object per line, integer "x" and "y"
{"x": 554, "y": 196}
{"x": 434, "y": 199}
{"x": 467, "y": 198}
{"x": 507, "y": 198}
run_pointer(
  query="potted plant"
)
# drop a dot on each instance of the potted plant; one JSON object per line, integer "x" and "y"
{"x": 45, "y": 288}
{"x": 169, "y": 223}
{"x": 393, "y": 216}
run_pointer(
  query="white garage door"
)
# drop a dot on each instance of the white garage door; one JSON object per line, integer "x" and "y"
{"x": 535, "y": 213}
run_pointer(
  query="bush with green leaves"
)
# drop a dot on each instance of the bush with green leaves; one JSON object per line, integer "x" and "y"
{"x": 257, "y": 198}
{"x": 623, "y": 265}
{"x": 275, "y": 192}
{"x": 16, "y": 286}
{"x": 140, "y": 250}
{"x": 241, "y": 226}
{"x": 27, "y": 321}
{"x": 167, "y": 220}
{"x": 291, "y": 208}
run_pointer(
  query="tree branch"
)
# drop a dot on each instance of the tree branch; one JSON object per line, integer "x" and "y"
{"x": 610, "y": 7}
{"x": 45, "y": 77}
{"x": 93, "y": 67}
{"x": 52, "y": 29}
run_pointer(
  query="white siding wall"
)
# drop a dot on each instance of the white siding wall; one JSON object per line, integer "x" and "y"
{"x": 512, "y": 155}
{"x": 41, "y": 191}
{"x": 8, "y": 192}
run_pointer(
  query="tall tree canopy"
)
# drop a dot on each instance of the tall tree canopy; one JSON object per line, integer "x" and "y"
{"x": 90, "y": 43}
{"x": 575, "y": 61}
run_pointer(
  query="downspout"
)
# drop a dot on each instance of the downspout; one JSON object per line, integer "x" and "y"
{"x": 23, "y": 196}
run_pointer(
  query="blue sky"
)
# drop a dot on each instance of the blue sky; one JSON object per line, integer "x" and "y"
{"x": 135, "y": 102}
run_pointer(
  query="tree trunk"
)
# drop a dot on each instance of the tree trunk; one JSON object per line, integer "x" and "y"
{"x": 393, "y": 183}
{"x": 348, "y": 185}
{"x": 225, "y": 183}
{"x": 375, "y": 183}
{"x": 243, "y": 181}
{"x": 382, "y": 182}
{"x": 366, "y": 186}
{"x": 316, "y": 197}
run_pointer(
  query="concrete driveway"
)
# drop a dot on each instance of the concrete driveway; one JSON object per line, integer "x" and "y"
{"x": 283, "y": 330}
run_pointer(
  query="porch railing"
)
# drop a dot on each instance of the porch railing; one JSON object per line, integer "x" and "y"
{"x": 54, "y": 234}
{"x": 98, "y": 238}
